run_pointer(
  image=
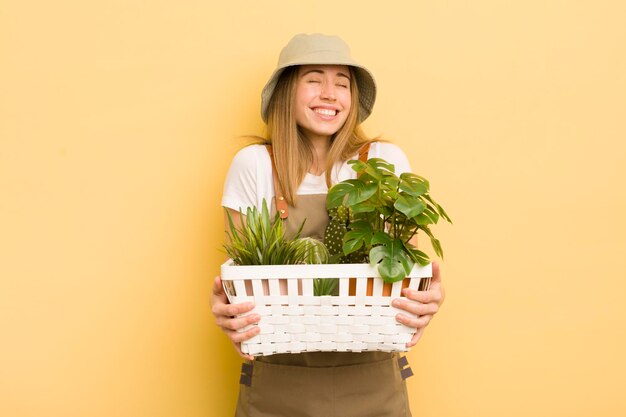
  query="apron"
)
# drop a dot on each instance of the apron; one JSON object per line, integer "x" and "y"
{"x": 322, "y": 384}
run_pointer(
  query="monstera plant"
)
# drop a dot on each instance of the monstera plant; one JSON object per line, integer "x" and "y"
{"x": 384, "y": 212}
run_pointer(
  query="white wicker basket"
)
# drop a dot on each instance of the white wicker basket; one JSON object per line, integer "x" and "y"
{"x": 294, "y": 320}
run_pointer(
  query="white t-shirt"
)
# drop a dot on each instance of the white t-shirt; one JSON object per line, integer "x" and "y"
{"x": 249, "y": 179}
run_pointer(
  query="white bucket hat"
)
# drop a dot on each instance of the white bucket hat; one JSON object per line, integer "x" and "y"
{"x": 318, "y": 49}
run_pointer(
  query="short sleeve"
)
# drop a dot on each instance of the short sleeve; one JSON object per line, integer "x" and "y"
{"x": 392, "y": 154}
{"x": 240, "y": 187}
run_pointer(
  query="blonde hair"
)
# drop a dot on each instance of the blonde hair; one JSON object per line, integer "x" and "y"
{"x": 293, "y": 155}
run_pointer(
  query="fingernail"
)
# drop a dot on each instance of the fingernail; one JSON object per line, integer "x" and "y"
{"x": 396, "y": 303}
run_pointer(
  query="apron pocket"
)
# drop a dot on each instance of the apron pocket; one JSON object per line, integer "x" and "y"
{"x": 373, "y": 389}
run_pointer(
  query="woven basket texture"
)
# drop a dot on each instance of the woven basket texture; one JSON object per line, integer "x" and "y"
{"x": 293, "y": 320}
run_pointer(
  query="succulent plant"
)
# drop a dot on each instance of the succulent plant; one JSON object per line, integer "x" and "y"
{"x": 261, "y": 240}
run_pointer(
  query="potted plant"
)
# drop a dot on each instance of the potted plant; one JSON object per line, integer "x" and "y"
{"x": 377, "y": 216}
{"x": 261, "y": 240}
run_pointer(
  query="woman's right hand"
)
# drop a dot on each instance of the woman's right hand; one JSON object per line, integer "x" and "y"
{"x": 225, "y": 317}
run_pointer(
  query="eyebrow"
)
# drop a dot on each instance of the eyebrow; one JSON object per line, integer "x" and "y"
{"x": 318, "y": 71}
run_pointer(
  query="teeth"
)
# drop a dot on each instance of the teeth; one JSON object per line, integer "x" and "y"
{"x": 326, "y": 112}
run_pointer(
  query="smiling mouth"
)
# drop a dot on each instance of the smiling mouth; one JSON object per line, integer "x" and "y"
{"x": 325, "y": 112}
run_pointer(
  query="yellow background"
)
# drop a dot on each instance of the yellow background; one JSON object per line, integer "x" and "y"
{"x": 118, "y": 120}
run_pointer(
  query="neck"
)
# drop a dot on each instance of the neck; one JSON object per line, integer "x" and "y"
{"x": 319, "y": 148}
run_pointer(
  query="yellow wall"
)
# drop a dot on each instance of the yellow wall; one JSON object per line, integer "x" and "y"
{"x": 117, "y": 123}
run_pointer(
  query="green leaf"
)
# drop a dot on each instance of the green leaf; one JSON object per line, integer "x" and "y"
{"x": 337, "y": 193}
{"x": 437, "y": 247}
{"x": 390, "y": 183}
{"x": 360, "y": 193}
{"x": 386, "y": 211}
{"x": 377, "y": 254}
{"x": 360, "y": 234}
{"x": 422, "y": 219}
{"x": 364, "y": 207}
{"x": 381, "y": 166}
{"x": 391, "y": 271}
{"x": 414, "y": 190}
{"x": 393, "y": 262}
{"x": 409, "y": 206}
{"x": 261, "y": 241}
{"x": 413, "y": 183}
{"x": 431, "y": 213}
{"x": 324, "y": 286}
{"x": 440, "y": 209}
{"x": 381, "y": 238}
{"x": 416, "y": 255}
{"x": 376, "y": 168}
{"x": 426, "y": 230}
{"x": 351, "y": 243}
{"x": 443, "y": 213}
{"x": 358, "y": 165}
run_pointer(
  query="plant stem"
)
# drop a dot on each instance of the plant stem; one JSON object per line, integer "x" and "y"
{"x": 413, "y": 234}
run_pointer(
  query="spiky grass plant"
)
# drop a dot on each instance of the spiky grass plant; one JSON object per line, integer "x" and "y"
{"x": 261, "y": 240}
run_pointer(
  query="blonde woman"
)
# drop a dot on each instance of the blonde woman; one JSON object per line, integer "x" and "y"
{"x": 313, "y": 105}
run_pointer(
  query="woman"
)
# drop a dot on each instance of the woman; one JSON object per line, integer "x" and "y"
{"x": 313, "y": 105}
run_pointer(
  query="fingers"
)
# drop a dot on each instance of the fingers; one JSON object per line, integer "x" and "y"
{"x": 238, "y": 337}
{"x": 225, "y": 317}
{"x": 416, "y": 308}
{"x": 416, "y": 337}
{"x": 434, "y": 295}
{"x": 221, "y": 308}
{"x": 416, "y": 322}
{"x": 220, "y": 304}
{"x": 218, "y": 296}
{"x": 243, "y": 355}
{"x": 237, "y": 323}
{"x": 422, "y": 305}
{"x": 435, "y": 282}
{"x": 436, "y": 273}
{"x": 218, "y": 289}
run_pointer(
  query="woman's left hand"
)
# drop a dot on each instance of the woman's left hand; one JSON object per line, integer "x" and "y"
{"x": 423, "y": 304}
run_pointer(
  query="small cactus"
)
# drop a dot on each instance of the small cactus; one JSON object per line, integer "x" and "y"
{"x": 334, "y": 233}
{"x": 337, "y": 227}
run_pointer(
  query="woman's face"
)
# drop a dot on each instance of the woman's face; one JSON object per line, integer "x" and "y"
{"x": 323, "y": 99}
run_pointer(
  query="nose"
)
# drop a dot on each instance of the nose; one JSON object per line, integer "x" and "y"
{"x": 328, "y": 91}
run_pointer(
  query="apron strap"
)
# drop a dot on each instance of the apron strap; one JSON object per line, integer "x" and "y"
{"x": 405, "y": 369}
{"x": 364, "y": 152}
{"x": 281, "y": 204}
{"x": 246, "y": 374}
